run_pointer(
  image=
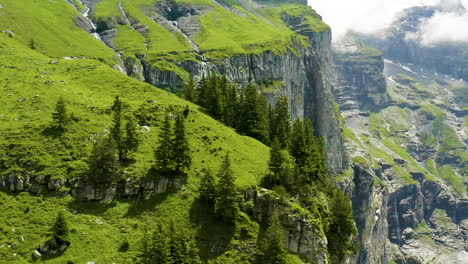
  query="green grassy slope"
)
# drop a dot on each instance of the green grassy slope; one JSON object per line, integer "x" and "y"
{"x": 31, "y": 86}
{"x": 51, "y": 24}
{"x": 225, "y": 29}
{"x": 89, "y": 88}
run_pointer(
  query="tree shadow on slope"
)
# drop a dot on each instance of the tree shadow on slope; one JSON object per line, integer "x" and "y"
{"x": 213, "y": 235}
{"x": 95, "y": 208}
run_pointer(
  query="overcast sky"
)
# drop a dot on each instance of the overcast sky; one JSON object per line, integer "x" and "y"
{"x": 371, "y": 15}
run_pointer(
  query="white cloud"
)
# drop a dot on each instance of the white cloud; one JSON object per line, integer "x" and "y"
{"x": 443, "y": 27}
{"x": 370, "y": 16}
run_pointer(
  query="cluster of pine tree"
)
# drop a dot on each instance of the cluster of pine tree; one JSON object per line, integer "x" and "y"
{"x": 298, "y": 163}
{"x": 221, "y": 195}
{"x": 168, "y": 247}
{"x": 246, "y": 110}
{"x": 173, "y": 152}
{"x": 110, "y": 152}
{"x": 298, "y": 160}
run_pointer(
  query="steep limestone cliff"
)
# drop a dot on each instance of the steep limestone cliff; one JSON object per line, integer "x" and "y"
{"x": 359, "y": 76}
{"x": 303, "y": 65}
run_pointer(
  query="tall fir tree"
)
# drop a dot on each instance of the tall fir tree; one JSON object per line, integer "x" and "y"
{"x": 275, "y": 162}
{"x": 226, "y": 205}
{"x": 272, "y": 246}
{"x": 192, "y": 252}
{"x": 214, "y": 103}
{"x": 60, "y": 229}
{"x": 231, "y": 107}
{"x": 180, "y": 147}
{"x": 189, "y": 92}
{"x": 202, "y": 92}
{"x": 132, "y": 139}
{"x": 164, "y": 153}
{"x": 261, "y": 112}
{"x": 103, "y": 162}
{"x": 280, "y": 122}
{"x": 60, "y": 117}
{"x": 116, "y": 130}
{"x": 341, "y": 227}
{"x": 282, "y": 167}
{"x": 207, "y": 186}
{"x": 254, "y": 114}
{"x": 298, "y": 144}
{"x": 161, "y": 247}
{"x": 145, "y": 254}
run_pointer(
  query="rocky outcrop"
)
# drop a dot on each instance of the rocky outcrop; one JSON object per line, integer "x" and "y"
{"x": 304, "y": 236}
{"x": 370, "y": 209}
{"x": 83, "y": 190}
{"x": 359, "y": 81}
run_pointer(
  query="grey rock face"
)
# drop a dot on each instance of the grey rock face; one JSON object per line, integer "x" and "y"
{"x": 359, "y": 81}
{"x": 303, "y": 236}
{"x": 307, "y": 80}
{"x": 370, "y": 210}
{"x": 420, "y": 218}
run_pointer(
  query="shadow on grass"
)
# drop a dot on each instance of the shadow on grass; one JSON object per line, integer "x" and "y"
{"x": 53, "y": 132}
{"x": 91, "y": 207}
{"x": 213, "y": 235}
{"x": 140, "y": 205}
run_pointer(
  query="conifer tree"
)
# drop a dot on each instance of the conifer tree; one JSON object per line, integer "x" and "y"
{"x": 103, "y": 162}
{"x": 207, "y": 186}
{"x": 145, "y": 254}
{"x": 192, "y": 252}
{"x": 180, "y": 147}
{"x": 189, "y": 91}
{"x": 164, "y": 154}
{"x": 131, "y": 140}
{"x": 60, "y": 117}
{"x": 231, "y": 106}
{"x": 272, "y": 247}
{"x": 279, "y": 122}
{"x": 116, "y": 130}
{"x": 282, "y": 167}
{"x": 161, "y": 247}
{"x": 254, "y": 114}
{"x": 226, "y": 205}
{"x": 214, "y": 103}
{"x": 202, "y": 92}
{"x": 341, "y": 227}
{"x": 323, "y": 166}
{"x": 298, "y": 144}
{"x": 32, "y": 44}
{"x": 275, "y": 162}
{"x": 178, "y": 249}
{"x": 261, "y": 112}
{"x": 60, "y": 229}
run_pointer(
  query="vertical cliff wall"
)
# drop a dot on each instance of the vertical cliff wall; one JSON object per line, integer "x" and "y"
{"x": 303, "y": 66}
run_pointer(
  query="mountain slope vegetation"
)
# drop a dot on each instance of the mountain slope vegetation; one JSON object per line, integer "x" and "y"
{"x": 46, "y": 163}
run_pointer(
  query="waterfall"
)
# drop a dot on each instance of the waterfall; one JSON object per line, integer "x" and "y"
{"x": 123, "y": 14}
{"x": 395, "y": 206}
{"x": 85, "y": 15}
